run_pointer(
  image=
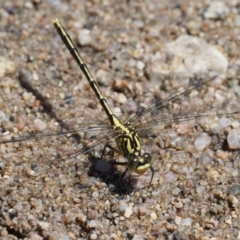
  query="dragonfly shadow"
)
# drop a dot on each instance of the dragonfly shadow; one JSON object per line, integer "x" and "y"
{"x": 106, "y": 171}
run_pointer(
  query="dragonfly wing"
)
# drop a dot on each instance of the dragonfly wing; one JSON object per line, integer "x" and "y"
{"x": 184, "y": 106}
{"x": 70, "y": 127}
{"x": 41, "y": 159}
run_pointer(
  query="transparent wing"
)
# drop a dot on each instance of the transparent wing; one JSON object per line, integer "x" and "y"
{"x": 69, "y": 127}
{"x": 70, "y": 158}
{"x": 180, "y": 107}
{"x": 36, "y": 154}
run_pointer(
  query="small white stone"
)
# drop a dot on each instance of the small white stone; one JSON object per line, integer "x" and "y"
{"x": 19, "y": 206}
{"x": 39, "y": 125}
{"x": 187, "y": 221}
{"x": 235, "y": 124}
{"x": 201, "y": 190}
{"x": 228, "y": 221}
{"x": 224, "y": 122}
{"x": 188, "y": 54}
{"x": 216, "y": 10}
{"x": 103, "y": 77}
{"x": 30, "y": 173}
{"x": 140, "y": 65}
{"x": 176, "y": 191}
{"x": 43, "y": 225}
{"x": 233, "y": 140}
{"x": 153, "y": 216}
{"x": 137, "y": 237}
{"x": 2, "y": 116}
{"x": 121, "y": 98}
{"x": 202, "y": 142}
{"x": 93, "y": 236}
{"x": 128, "y": 212}
{"x": 95, "y": 194}
{"x": 170, "y": 177}
{"x": 84, "y": 37}
{"x": 122, "y": 207}
{"x": 178, "y": 220}
{"x": 35, "y": 76}
{"x": 6, "y": 66}
{"x": 92, "y": 223}
{"x": 26, "y": 96}
{"x": 34, "y": 236}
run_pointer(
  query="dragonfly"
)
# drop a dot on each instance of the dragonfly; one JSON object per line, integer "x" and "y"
{"x": 126, "y": 132}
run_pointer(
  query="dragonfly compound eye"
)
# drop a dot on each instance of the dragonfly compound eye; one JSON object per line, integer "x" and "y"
{"x": 147, "y": 157}
{"x": 133, "y": 163}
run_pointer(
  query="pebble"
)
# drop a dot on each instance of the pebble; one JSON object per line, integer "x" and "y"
{"x": 4, "y": 232}
{"x": 216, "y": 10}
{"x": 35, "y": 76}
{"x": 193, "y": 26}
{"x": 170, "y": 176}
{"x": 233, "y": 140}
{"x": 213, "y": 174}
{"x": 39, "y": 125}
{"x": 57, "y": 236}
{"x": 178, "y": 220}
{"x": 228, "y": 221}
{"x": 27, "y": 96}
{"x": 34, "y": 236}
{"x": 3, "y": 116}
{"x": 177, "y": 204}
{"x": 224, "y": 122}
{"x": 154, "y": 216}
{"x": 19, "y": 206}
{"x": 176, "y": 191}
{"x": 224, "y": 155}
{"x": 137, "y": 237}
{"x": 142, "y": 210}
{"x": 234, "y": 190}
{"x": 142, "y": 180}
{"x": 93, "y": 223}
{"x": 6, "y": 66}
{"x": 93, "y": 236}
{"x": 128, "y": 211}
{"x": 234, "y": 201}
{"x": 187, "y": 221}
{"x": 103, "y": 77}
{"x": 120, "y": 98}
{"x": 84, "y": 37}
{"x": 140, "y": 65}
{"x": 123, "y": 206}
{"x": 43, "y": 225}
{"x": 188, "y": 54}
{"x": 202, "y": 142}
{"x": 95, "y": 194}
{"x": 201, "y": 190}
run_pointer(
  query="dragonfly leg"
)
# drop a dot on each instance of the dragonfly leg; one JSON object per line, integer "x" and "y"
{"x": 152, "y": 170}
{"x": 115, "y": 163}
{"x": 110, "y": 147}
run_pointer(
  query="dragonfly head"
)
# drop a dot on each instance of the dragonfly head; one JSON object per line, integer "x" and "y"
{"x": 139, "y": 164}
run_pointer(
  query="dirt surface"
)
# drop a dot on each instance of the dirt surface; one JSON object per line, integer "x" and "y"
{"x": 140, "y": 52}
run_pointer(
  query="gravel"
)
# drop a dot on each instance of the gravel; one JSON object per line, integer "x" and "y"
{"x": 140, "y": 52}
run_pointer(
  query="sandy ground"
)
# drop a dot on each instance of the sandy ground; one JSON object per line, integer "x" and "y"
{"x": 140, "y": 52}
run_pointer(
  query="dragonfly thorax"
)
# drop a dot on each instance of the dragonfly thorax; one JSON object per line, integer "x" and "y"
{"x": 129, "y": 146}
